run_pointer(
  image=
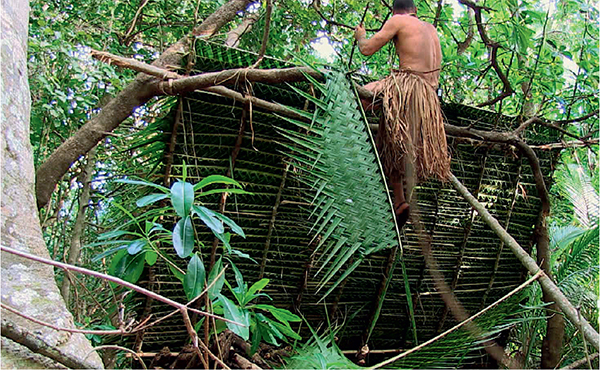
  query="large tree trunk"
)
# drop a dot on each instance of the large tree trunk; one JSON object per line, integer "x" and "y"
{"x": 116, "y": 111}
{"x": 27, "y": 286}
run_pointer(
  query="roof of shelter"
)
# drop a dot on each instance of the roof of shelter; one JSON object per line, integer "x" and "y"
{"x": 473, "y": 260}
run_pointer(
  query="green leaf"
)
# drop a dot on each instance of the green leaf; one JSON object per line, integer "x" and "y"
{"x": 178, "y": 274}
{"x": 149, "y": 199}
{"x": 208, "y": 217}
{"x": 256, "y": 287}
{"x": 285, "y": 329}
{"x": 183, "y": 237}
{"x": 234, "y": 227}
{"x": 136, "y": 246}
{"x": 217, "y": 191}
{"x": 214, "y": 179}
{"x": 151, "y": 257}
{"x": 280, "y": 314}
{"x": 108, "y": 252}
{"x": 143, "y": 182}
{"x": 113, "y": 234}
{"x": 182, "y": 197}
{"x": 127, "y": 267}
{"x": 215, "y": 289}
{"x": 239, "y": 279}
{"x": 237, "y": 314}
{"x": 195, "y": 278}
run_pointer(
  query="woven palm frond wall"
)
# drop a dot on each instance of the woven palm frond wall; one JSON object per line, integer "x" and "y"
{"x": 275, "y": 217}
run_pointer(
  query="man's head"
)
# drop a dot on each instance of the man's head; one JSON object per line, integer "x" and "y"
{"x": 404, "y": 7}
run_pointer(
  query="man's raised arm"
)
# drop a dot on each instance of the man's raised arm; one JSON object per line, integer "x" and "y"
{"x": 370, "y": 46}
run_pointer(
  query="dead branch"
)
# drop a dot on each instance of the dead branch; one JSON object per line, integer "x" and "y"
{"x": 547, "y": 284}
{"x": 243, "y": 363}
{"x": 131, "y": 63}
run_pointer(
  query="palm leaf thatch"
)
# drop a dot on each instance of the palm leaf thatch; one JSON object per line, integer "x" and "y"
{"x": 352, "y": 211}
{"x": 216, "y": 135}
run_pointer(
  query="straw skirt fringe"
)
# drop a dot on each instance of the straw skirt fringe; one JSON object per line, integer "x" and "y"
{"x": 412, "y": 127}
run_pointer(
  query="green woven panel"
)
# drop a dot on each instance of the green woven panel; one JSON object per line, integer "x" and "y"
{"x": 211, "y": 57}
{"x": 352, "y": 213}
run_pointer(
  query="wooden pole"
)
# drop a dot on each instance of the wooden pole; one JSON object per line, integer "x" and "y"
{"x": 591, "y": 335}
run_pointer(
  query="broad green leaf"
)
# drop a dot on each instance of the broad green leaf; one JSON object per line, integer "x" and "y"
{"x": 234, "y": 227}
{"x": 216, "y": 179}
{"x": 194, "y": 280}
{"x": 237, "y": 314}
{"x": 136, "y": 246}
{"x": 183, "y": 237}
{"x": 280, "y": 314}
{"x": 215, "y": 289}
{"x": 143, "y": 182}
{"x": 208, "y": 217}
{"x": 182, "y": 197}
{"x": 149, "y": 199}
{"x": 151, "y": 257}
{"x": 126, "y": 266}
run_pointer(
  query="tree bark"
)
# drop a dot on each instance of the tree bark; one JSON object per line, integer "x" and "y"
{"x": 27, "y": 286}
{"x": 78, "y": 228}
{"x": 122, "y": 106}
{"x": 233, "y": 36}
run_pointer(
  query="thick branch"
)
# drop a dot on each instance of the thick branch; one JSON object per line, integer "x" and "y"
{"x": 547, "y": 284}
{"x": 507, "y": 88}
{"x": 239, "y": 75}
{"x": 233, "y": 36}
{"x": 122, "y": 106}
{"x": 136, "y": 65}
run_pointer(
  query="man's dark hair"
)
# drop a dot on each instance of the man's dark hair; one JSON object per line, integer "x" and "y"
{"x": 404, "y": 5}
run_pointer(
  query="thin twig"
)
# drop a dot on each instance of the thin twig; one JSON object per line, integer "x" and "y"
{"x": 113, "y": 279}
{"x": 117, "y": 347}
{"x": 576, "y": 364}
{"x": 58, "y": 328}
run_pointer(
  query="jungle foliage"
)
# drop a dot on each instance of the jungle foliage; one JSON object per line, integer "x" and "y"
{"x": 548, "y": 53}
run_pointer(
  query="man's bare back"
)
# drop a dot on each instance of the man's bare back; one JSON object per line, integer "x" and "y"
{"x": 417, "y": 45}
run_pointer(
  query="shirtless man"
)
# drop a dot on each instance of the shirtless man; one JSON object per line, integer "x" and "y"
{"x": 411, "y": 139}
{"x": 417, "y": 43}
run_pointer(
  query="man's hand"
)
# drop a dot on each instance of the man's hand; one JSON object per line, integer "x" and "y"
{"x": 359, "y": 32}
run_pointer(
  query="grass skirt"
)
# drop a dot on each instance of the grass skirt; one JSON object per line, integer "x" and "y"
{"x": 412, "y": 127}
